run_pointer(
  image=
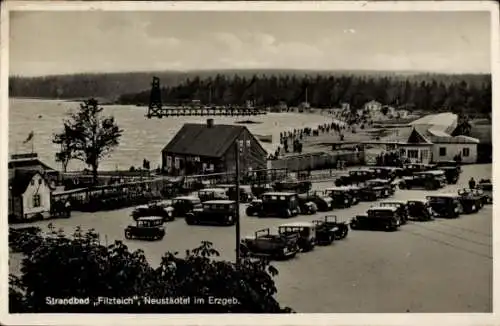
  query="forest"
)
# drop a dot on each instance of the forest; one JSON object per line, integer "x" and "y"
{"x": 442, "y": 93}
{"x": 422, "y": 91}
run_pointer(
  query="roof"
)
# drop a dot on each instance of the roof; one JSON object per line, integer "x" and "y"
{"x": 201, "y": 140}
{"x": 393, "y": 202}
{"x": 21, "y": 180}
{"x": 298, "y": 224}
{"x": 187, "y": 198}
{"x": 392, "y": 209}
{"x": 427, "y": 135}
{"x": 435, "y": 172}
{"x": 212, "y": 189}
{"x": 220, "y": 201}
{"x": 149, "y": 218}
{"x": 378, "y": 180}
{"x": 29, "y": 163}
{"x": 276, "y": 193}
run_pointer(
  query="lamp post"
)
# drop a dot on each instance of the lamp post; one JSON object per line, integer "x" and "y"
{"x": 239, "y": 148}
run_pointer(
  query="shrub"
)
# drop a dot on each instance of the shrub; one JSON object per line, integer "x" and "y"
{"x": 64, "y": 267}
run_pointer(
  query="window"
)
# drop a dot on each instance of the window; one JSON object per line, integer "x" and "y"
{"x": 169, "y": 161}
{"x": 403, "y": 151}
{"x": 465, "y": 152}
{"x": 413, "y": 153}
{"x": 425, "y": 154}
{"x": 442, "y": 151}
{"x": 32, "y": 182}
{"x": 36, "y": 201}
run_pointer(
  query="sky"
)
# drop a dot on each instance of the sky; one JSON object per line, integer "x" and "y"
{"x": 49, "y": 43}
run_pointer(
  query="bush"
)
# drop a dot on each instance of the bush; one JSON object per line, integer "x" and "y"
{"x": 63, "y": 267}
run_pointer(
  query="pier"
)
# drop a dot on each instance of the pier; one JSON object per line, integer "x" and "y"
{"x": 207, "y": 111}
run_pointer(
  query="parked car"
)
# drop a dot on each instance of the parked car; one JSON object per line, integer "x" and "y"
{"x": 452, "y": 164}
{"x": 212, "y": 194}
{"x": 254, "y": 208}
{"x": 411, "y": 168}
{"x": 222, "y": 212}
{"x": 185, "y": 204}
{"x": 323, "y": 203}
{"x": 369, "y": 193}
{"x": 332, "y": 224}
{"x": 258, "y": 190}
{"x": 487, "y": 188}
{"x": 146, "y": 228}
{"x": 354, "y": 192}
{"x": 354, "y": 177}
{"x": 341, "y": 196}
{"x": 445, "y": 205}
{"x": 297, "y": 186}
{"x": 163, "y": 209}
{"x": 280, "y": 204}
{"x": 246, "y": 194}
{"x": 306, "y": 231}
{"x": 384, "y": 172}
{"x": 471, "y": 200}
{"x": 386, "y": 185}
{"x": 384, "y": 218}
{"x": 401, "y": 206}
{"x": 306, "y": 206}
{"x": 273, "y": 246}
{"x": 429, "y": 180}
{"x": 419, "y": 210}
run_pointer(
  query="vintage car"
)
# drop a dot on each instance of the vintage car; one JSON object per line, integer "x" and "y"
{"x": 222, "y": 212}
{"x": 487, "y": 188}
{"x": 383, "y": 218}
{"x": 429, "y": 180}
{"x": 411, "y": 168}
{"x": 401, "y": 206}
{"x": 273, "y": 246}
{"x": 445, "y": 205}
{"x": 60, "y": 208}
{"x": 306, "y": 232}
{"x": 365, "y": 192}
{"x": 384, "y": 172}
{"x": 254, "y": 208}
{"x": 354, "y": 177}
{"x": 292, "y": 185}
{"x": 354, "y": 192}
{"x": 306, "y": 206}
{"x": 161, "y": 208}
{"x": 452, "y": 174}
{"x": 246, "y": 194}
{"x": 323, "y": 203}
{"x": 332, "y": 224}
{"x": 341, "y": 196}
{"x": 258, "y": 190}
{"x": 212, "y": 194}
{"x": 385, "y": 184}
{"x": 419, "y": 210}
{"x": 451, "y": 164}
{"x": 280, "y": 204}
{"x": 146, "y": 228}
{"x": 471, "y": 200}
{"x": 185, "y": 204}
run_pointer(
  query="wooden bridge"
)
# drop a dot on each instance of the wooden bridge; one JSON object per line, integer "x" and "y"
{"x": 208, "y": 111}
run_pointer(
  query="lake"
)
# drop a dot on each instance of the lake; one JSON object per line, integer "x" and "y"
{"x": 142, "y": 138}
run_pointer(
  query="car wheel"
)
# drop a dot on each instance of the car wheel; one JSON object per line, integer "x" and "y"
{"x": 249, "y": 212}
{"x": 190, "y": 220}
{"x": 128, "y": 235}
{"x": 354, "y": 226}
{"x": 402, "y": 186}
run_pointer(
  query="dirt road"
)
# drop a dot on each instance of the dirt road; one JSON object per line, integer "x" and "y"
{"x": 437, "y": 266}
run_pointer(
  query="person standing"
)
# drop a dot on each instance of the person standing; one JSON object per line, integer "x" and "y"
{"x": 472, "y": 183}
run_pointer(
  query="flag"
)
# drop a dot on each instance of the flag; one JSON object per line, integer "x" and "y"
{"x": 30, "y": 137}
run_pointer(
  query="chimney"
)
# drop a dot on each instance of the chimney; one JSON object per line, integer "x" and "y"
{"x": 210, "y": 123}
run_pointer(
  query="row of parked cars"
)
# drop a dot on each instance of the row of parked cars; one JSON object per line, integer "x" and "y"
{"x": 390, "y": 215}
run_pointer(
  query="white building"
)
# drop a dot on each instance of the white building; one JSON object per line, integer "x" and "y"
{"x": 29, "y": 194}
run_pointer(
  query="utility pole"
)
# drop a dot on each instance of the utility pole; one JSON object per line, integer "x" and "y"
{"x": 237, "y": 165}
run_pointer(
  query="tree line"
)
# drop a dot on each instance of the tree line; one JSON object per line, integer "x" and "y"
{"x": 458, "y": 93}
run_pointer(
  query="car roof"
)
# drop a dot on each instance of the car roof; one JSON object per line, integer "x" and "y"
{"x": 220, "y": 201}
{"x": 393, "y": 202}
{"x": 392, "y": 209}
{"x": 379, "y": 180}
{"x": 188, "y": 198}
{"x": 362, "y": 169}
{"x": 213, "y": 189}
{"x": 435, "y": 172}
{"x": 298, "y": 224}
{"x": 337, "y": 188}
{"x": 444, "y": 195}
{"x": 277, "y": 193}
{"x": 149, "y": 218}
{"x": 141, "y": 207}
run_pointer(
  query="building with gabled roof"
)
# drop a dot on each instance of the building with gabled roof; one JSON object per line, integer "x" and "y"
{"x": 419, "y": 143}
{"x": 210, "y": 148}
{"x": 29, "y": 195}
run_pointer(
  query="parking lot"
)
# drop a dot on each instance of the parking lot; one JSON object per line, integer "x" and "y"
{"x": 438, "y": 266}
